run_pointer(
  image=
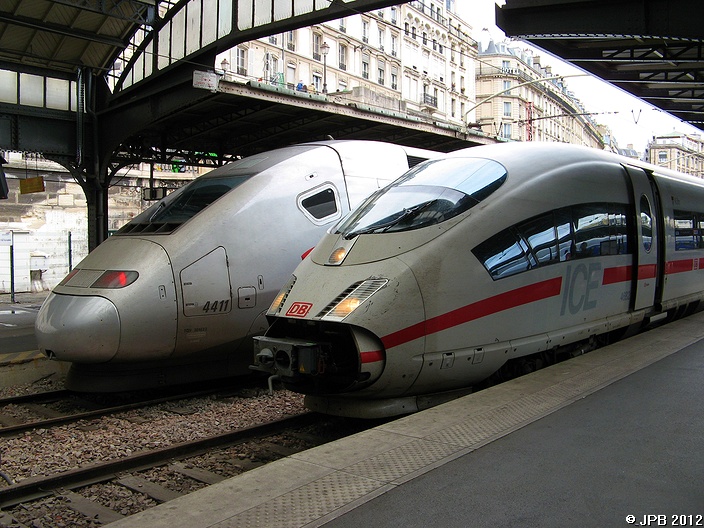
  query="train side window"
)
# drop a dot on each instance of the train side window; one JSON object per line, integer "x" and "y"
{"x": 591, "y": 223}
{"x": 618, "y": 231}
{"x": 540, "y": 235}
{"x": 504, "y": 255}
{"x": 565, "y": 235}
{"x": 646, "y": 223}
{"x": 321, "y": 205}
{"x": 684, "y": 231}
{"x": 699, "y": 230}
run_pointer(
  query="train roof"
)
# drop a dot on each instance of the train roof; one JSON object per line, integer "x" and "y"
{"x": 536, "y": 157}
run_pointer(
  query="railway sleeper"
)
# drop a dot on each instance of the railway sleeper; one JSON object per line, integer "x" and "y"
{"x": 8, "y": 521}
{"x": 89, "y": 508}
{"x": 153, "y": 490}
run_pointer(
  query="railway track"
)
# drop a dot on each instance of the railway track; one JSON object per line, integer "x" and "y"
{"x": 59, "y": 407}
{"x": 75, "y": 489}
{"x": 79, "y": 466}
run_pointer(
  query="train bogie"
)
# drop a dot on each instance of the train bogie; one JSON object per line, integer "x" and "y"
{"x": 195, "y": 273}
{"x": 489, "y": 258}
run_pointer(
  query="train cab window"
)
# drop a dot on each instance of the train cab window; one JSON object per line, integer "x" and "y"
{"x": 430, "y": 193}
{"x": 182, "y": 205}
{"x": 320, "y": 205}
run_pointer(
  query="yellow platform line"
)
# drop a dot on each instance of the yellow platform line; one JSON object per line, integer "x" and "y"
{"x": 13, "y": 358}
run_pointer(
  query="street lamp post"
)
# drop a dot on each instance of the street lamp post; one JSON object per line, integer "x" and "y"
{"x": 325, "y": 49}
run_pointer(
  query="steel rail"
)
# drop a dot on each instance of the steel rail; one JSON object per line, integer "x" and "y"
{"x": 44, "y": 486}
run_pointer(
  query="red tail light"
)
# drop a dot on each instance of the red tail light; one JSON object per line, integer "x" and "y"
{"x": 115, "y": 279}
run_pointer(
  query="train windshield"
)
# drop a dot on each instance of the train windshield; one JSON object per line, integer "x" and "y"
{"x": 183, "y": 204}
{"x": 428, "y": 194}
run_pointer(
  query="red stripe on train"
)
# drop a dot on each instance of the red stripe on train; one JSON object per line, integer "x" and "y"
{"x": 680, "y": 266}
{"x": 521, "y": 296}
{"x": 498, "y": 303}
{"x": 371, "y": 356}
{"x": 618, "y": 274}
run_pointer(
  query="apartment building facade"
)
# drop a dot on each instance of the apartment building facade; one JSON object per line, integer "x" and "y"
{"x": 678, "y": 151}
{"x": 520, "y": 100}
{"x": 416, "y": 58}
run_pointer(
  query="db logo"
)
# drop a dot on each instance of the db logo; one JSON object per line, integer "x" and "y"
{"x": 299, "y": 309}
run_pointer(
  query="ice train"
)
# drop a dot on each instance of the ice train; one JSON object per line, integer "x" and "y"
{"x": 176, "y": 294}
{"x": 489, "y": 258}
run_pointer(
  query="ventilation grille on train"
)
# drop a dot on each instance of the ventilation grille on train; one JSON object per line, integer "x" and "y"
{"x": 147, "y": 228}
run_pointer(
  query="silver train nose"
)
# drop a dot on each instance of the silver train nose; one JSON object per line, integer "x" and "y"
{"x": 82, "y": 329}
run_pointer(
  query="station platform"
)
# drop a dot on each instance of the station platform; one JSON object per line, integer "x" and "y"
{"x": 614, "y": 433}
{"x": 20, "y": 360}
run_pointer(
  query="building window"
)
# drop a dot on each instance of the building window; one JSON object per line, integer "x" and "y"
{"x": 507, "y": 87}
{"x": 413, "y": 32}
{"x": 507, "y": 109}
{"x": 382, "y": 67}
{"x": 318, "y": 82}
{"x": 382, "y": 37}
{"x": 453, "y": 103}
{"x": 394, "y": 15}
{"x": 365, "y": 66}
{"x": 425, "y": 38}
{"x": 342, "y": 56}
{"x": 241, "y": 61}
{"x": 662, "y": 157}
{"x": 273, "y": 39}
{"x": 343, "y": 25}
{"x": 365, "y": 31}
{"x": 317, "y": 41}
{"x": 291, "y": 40}
{"x": 394, "y": 45}
{"x": 506, "y": 130}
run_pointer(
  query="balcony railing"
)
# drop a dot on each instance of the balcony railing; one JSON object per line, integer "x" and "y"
{"x": 429, "y": 100}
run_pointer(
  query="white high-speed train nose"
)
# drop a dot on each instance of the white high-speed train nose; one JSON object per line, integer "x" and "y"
{"x": 117, "y": 305}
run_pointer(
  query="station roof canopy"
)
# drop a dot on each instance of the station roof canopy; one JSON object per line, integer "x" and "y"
{"x": 62, "y": 35}
{"x": 650, "y": 48}
{"x": 653, "y": 49}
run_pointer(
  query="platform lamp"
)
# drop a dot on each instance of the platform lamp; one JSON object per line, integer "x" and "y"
{"x": 325, "y": 49}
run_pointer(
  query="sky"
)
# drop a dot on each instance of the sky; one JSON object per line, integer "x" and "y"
{"x": 631, "y": 120}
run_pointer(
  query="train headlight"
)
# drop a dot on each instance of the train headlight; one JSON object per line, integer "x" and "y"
{"x": 337, "y": 256}
{"x": 112, "y": 280}
{"x": 280, "y": 299}
{"x": 350, "y": 299}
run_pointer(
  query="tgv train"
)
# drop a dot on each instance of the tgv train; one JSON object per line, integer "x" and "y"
{"x": 488, "y": 258}
{"x": 175, "y": 294}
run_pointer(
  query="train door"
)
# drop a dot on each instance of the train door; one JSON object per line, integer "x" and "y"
{"x": 647, "y": 275}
